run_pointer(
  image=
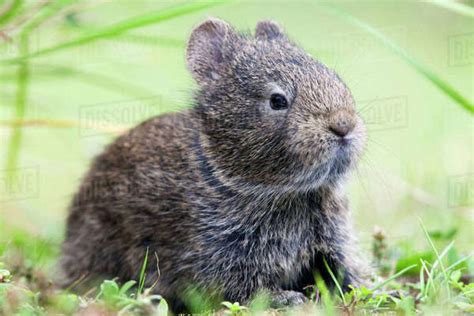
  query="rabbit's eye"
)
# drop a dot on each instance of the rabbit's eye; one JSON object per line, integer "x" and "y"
{"x": 278, "y": 102}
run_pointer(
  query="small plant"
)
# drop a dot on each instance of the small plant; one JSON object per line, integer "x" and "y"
{"x": 116, "y": 297}
{"x": 142, "y": 301}
{"x": 234, "y": 308}
{"x": 379, "y": 251}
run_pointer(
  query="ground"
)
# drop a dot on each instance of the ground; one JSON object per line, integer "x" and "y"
{"x": 438, "y": 280}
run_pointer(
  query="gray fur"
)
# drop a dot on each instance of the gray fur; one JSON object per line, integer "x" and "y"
{"x": 232, "y": 196}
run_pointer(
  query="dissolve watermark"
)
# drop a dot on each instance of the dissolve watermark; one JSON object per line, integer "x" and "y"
{"x": 110, "y": 117}
{"x": 461, "y": 190}
{"x": 385, "y": 113}
{"x": 118, "y": 188}
{"x": 19, "y": 184}
{"x": 461, "y": 49}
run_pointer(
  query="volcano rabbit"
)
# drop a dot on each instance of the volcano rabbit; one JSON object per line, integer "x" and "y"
{"x": 242, "y": 193}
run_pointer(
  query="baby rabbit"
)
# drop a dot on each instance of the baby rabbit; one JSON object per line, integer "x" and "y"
{"x": 242, "y": 193}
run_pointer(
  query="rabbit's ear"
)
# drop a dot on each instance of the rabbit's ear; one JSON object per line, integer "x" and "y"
{"x": 210, "y": 49}
{"x": 269, "y": 30}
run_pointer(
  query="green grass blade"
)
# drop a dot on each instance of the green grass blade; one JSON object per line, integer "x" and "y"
{"x": 333, "y": 277}
{"x": 430, "y": 279}
{"x": 439, "y": 258}
{"x": 325, "y": 296}
{"x": 141, "y": 282}
{"x": 393, "y": 277}
{"x": 10, "y": 12}
{"x": 23, "y": 80}
{"x": 454, "y": 265}
{"x": 442, "y": 85}
{"x": 119, "y": 28}
{"x": 20, "y": 106}
{"x": 126, "y": 287}
{"x": 431, "y": 274}
{"x": 444, "y": 253}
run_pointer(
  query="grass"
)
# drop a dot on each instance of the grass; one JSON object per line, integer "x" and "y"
{"x": 107, "y": 32}
{"x": 441, "y": 84}
{"x": 120, "y": 28}
{"x": 25, "y": 287}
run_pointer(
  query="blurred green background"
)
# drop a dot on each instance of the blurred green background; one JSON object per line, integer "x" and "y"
{"x": 58, "y": 109}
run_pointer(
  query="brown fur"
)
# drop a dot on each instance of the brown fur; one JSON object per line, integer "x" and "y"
{"x": 232, "y": 196}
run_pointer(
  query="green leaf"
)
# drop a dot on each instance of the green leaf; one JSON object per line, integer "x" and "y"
{"x": 325, "y": 296}
{"x": 127, "y": 286}
{"x": 109, "y": 288}
{"x": 333, "y": 277}
{"x": 163, "y": 308}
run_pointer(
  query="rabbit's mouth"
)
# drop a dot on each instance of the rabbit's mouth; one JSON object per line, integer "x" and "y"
{"x": 346, "y": 153}
{"x": 341, "y": 161}
{"x": 325, "y": 173}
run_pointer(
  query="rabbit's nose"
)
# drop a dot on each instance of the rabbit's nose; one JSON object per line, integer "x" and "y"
{"x": 342, "y": 125}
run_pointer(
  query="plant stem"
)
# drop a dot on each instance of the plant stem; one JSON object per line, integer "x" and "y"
{"x": 119, "y": 28}
{"x": 20, "y": 105}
